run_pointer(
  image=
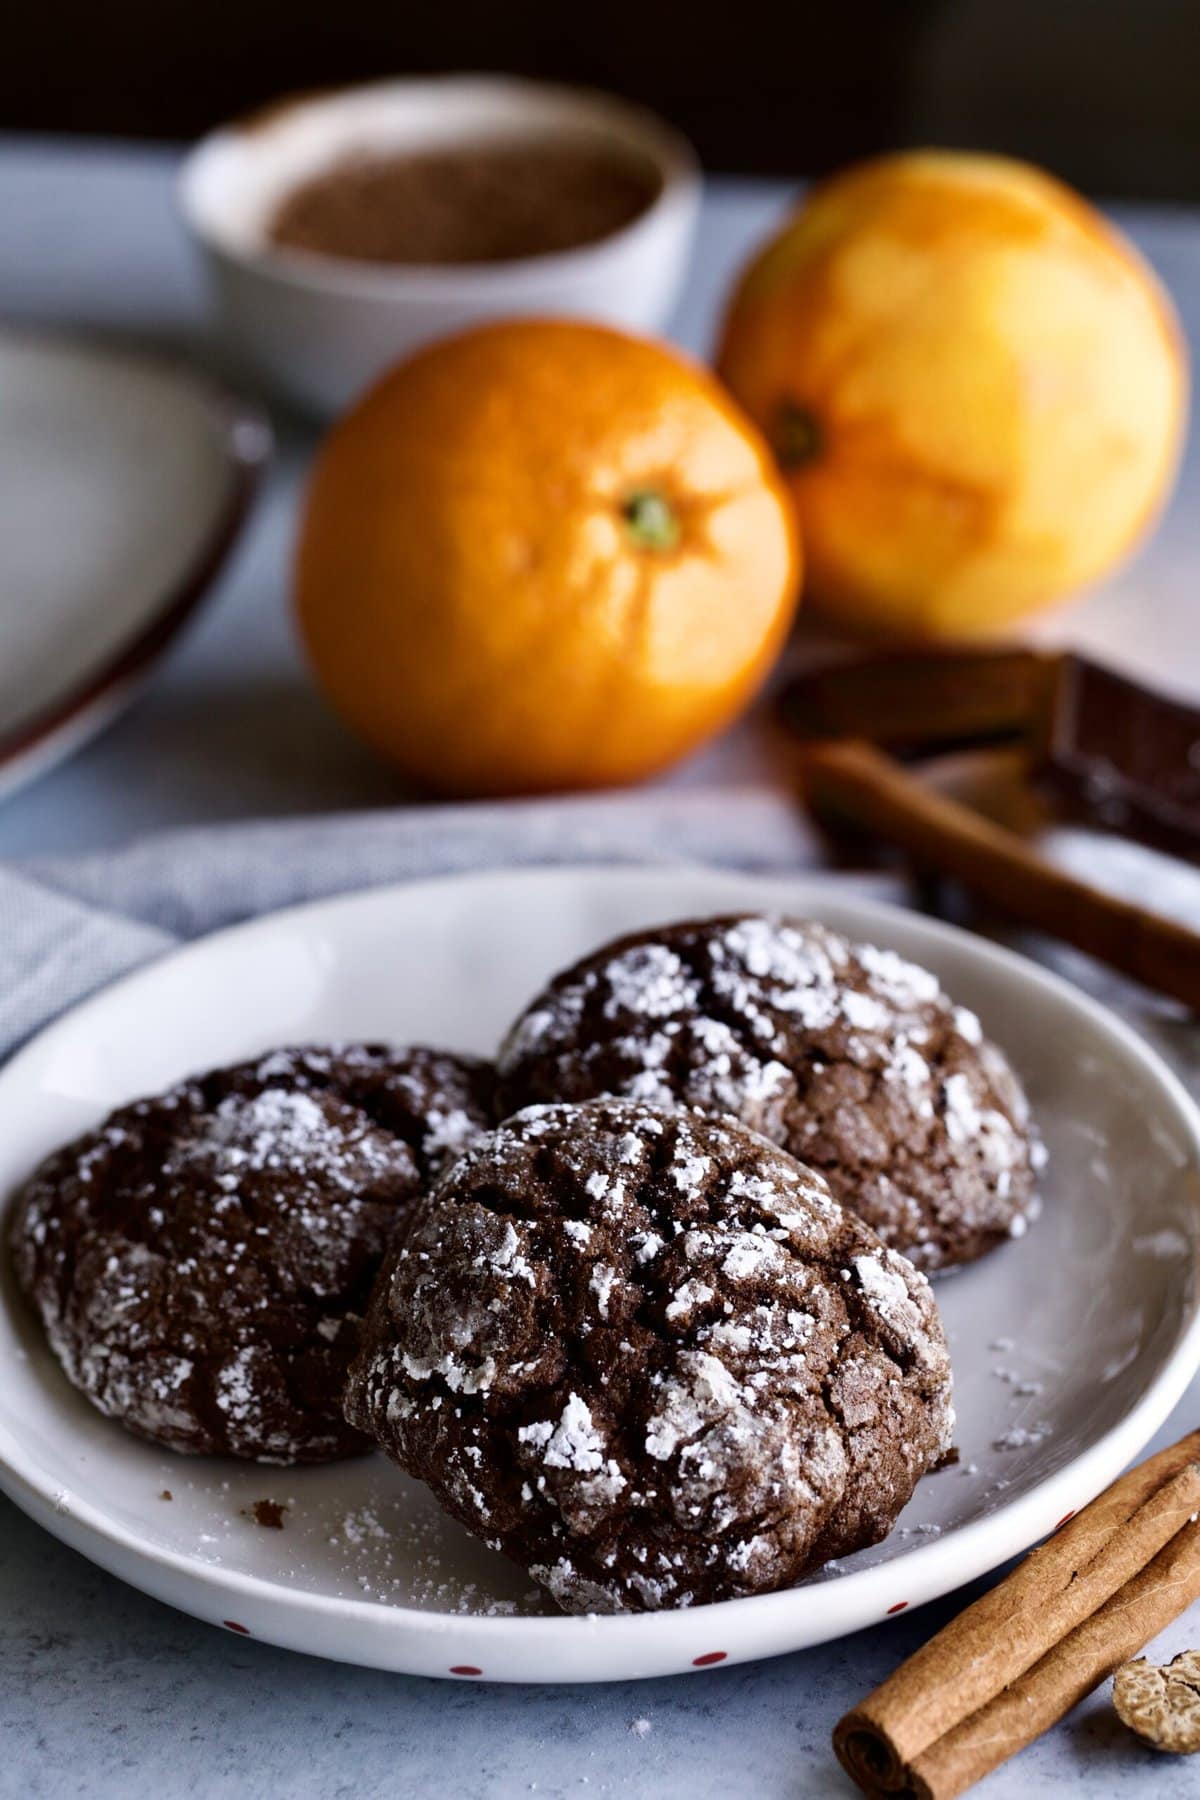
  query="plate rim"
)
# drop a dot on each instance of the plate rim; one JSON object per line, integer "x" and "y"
{"x": 245, "y": 442}
{"x": 930, "y": 1569}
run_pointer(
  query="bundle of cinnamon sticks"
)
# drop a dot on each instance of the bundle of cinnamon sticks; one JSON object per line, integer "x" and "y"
{"x": 1014, "y": 1663}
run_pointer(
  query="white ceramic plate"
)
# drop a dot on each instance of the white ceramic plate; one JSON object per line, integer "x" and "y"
{"x": 1070, "y": 1345}
{"x": 123, "y": 481}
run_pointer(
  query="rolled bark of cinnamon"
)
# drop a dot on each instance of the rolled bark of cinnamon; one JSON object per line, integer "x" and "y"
{"x": 1014, "y": 1663}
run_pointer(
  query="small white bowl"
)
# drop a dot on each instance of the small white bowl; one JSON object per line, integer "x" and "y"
{"x": 321, "y": 329}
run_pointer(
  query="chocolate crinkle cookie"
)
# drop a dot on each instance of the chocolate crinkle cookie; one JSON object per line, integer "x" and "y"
{"x": 436, "y": 1101}
{"x": 850, "y": 1057}
{"x": 202, "y": 1260}
{"x": 645, "y": 1353}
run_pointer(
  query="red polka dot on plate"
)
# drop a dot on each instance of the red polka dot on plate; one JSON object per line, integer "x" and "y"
{"x": 899, "y": 1607}
{"x": 707, "y": 1661}
{"x": 465, "y": 1669}
{"x": 1065, "y": 1520}
{"x": 232, "y": 1625}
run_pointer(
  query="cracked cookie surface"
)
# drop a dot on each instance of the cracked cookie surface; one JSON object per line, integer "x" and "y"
{"x": 646, "y": 1354}
{"x": 201, "y": 1261}
{"x": 847, "y": 1055}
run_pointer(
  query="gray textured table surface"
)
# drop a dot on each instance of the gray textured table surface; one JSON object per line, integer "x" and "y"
{"x": 106, "y": 1693}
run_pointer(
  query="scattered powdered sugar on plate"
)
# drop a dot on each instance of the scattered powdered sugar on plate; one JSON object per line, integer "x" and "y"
{"x": 1022, "y": 1385}
{"x": 1167, "y": 1244}
{"x": 360, "y": 1531}
{"x": 1022, "y": 1437}
{"x": 403, "y": 1552}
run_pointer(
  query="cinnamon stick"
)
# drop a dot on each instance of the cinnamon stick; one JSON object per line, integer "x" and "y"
{"x": 1011, "y": 1665}
{"x": 1114, "y": 1633}
{"x": 853, "y": 781}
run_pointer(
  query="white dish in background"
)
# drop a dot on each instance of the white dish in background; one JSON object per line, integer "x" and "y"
{"x": 123, "y": 483}
{"x": 323, "y": 328}
{"x": 1070, "y": 1345}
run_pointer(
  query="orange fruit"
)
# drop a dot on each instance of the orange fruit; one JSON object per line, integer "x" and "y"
{"x": 543, "y": 555}
{"x": 976, "y": 389}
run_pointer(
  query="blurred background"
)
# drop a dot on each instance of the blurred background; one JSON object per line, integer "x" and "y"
{"x": 1102, "y": 91}
{"x": 97, "y": 105}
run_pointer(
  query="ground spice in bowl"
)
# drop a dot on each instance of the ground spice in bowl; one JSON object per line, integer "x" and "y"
{"x": 487, "y": 202}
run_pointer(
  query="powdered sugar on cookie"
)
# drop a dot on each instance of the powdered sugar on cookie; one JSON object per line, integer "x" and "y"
{"x": 848, "y": 1055}
{"x": 714, "y": 1376}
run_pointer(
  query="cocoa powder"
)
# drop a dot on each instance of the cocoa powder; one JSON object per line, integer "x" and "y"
{"x": 481, "y": 203}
